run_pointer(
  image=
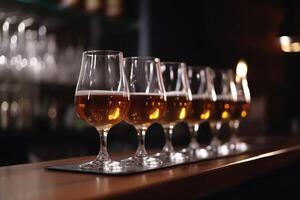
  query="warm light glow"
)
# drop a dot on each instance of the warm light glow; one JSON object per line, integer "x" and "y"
{"x": 285, "y": 42}
{"x": 225, "y": 115}
{"x": 241, "y": 69}
{"x": 114, "y": 115}
{"x": 244, "y": 114}
{"x": 205, "y": 115}
{"x": 81, "y": 105}
{"x": 182, "y": 113}
{"x": 295, "y": 46}
{"x": 285, "y": 39}
{"x": 155, "y": 114}
{"x": 226, "y": 106}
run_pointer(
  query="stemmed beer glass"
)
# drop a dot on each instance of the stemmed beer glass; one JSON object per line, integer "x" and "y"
{"x": 102, "y": 99}
{"x": 241, "y": 110}
{"x": 202, "y": 105}
{"x": 147, "y": 104}
{"x": 178, "y": 103}
{"x": 225, "y": 92}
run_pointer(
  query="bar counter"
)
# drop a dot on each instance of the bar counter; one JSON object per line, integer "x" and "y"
{"x": 190, "y": 181}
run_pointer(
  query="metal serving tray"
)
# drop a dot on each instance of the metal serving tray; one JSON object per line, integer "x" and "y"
{"x": 74, "y": 167}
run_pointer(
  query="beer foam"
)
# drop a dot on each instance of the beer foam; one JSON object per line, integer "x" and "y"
{"x": 176, "y": 93}
{"x": 224, "y": 97}
{"x": 242, "y": 99}
{"x": 98, "y": 92}
{"x": 205, "y": 96}
{"x": 201, "y": 96}
{"x": 145, "y": 94}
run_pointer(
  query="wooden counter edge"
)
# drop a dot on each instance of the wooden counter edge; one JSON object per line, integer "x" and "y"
{"x": 208, "y": 182}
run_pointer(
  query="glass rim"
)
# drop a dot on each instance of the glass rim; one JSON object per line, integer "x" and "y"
{"x": 102, "y": 53}
{"x": 200, "y": 67}
{"x": 156, "y": 59}
{"x": 172, "y": 63}
{"x": 224, "y": 70}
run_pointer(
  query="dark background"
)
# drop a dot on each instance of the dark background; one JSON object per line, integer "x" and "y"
{"x": 205, "y": 33}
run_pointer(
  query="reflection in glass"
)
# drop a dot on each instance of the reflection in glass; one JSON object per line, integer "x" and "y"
{"x": 147, "y": 103}
{"x": 102, "y": 99}
{"x": 178, "y": 104}
{"x": 241, "y": 108}
{"x": 202, "y": 106}
{"x": 225, "y": 92}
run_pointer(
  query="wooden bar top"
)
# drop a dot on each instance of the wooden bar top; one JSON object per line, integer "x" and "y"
{"x": 191, "y": 181}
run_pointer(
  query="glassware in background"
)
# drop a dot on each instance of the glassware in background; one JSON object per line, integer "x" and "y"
{"x": 147, "y": 104}
{"x": 202, "y": 106}
{"x": 225, "y": 92}
{"x": 30, "y": 59}
{"x": 102, "y": 99}
{"x": 241, "y": 107}
{"x": 178, "y": 104}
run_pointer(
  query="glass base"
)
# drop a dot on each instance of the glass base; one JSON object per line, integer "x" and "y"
{"x": 213, "y": 150}
{"x": 224, "y": 149}
{"x": 199, "y": 153}
{"x": 172, "y": 157}
{"x": 238, "y": 147}
{"x": 106, "y": 165}
{"x": 142, "y": 161}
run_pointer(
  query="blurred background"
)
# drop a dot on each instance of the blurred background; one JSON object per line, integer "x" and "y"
{"x": 41, "y": 42}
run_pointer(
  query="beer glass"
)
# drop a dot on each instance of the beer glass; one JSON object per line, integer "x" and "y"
{"x": 202, "y": 106}
{"x": 241, "y": 110}
{"x": 147, "y": 104}
{"x": 102, "y": 99}
{"x": 225, "y": 92}
{"x": 178, "y": 103}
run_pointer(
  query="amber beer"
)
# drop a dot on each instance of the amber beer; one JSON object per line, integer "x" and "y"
{"x": 101, "y": 108}
{"x": 201, "y": 109}
{"x": 223, "y": 109}
{"x": 241, "y": 109}
{"x": 145, "y": 108}
{"x": 177, "y": 108}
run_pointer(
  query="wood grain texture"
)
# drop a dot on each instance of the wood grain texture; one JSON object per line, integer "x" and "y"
{"x": 32, "y": 181}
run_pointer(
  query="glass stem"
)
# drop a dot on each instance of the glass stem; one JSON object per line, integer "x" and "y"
{"x": 141, "y": 150}
{"x": 193, "y": 131}
{"x": 168, "y": 147}
{"x": 103, "y": 154}
{"x": 234, "y": 126}
{"x": 215, "y": 142}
